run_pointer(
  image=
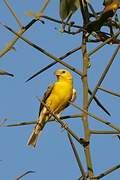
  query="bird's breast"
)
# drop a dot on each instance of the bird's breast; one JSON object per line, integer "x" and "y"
{"x": 60, "y": 96}
{"x": 63, "y": 90}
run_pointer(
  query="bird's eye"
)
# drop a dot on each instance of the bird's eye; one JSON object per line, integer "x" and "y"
{"x": 63, "y": 71}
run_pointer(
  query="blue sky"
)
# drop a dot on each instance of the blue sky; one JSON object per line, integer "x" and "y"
{"x": 53, "y": 157}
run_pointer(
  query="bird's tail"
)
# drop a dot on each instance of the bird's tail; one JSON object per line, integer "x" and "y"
{"x": 38, "y": 128}
{"x": 35, "y": 134}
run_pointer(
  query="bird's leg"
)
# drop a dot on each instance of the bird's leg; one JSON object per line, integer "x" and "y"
{"x": 64, "y": 126}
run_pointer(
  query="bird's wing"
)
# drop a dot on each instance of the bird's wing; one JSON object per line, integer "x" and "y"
{"x": 40, "y": 124}
{"x": 74, "y": 95}
{"x": 46, "y": 95}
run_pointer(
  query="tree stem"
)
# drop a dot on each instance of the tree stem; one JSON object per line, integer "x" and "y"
{"x": 85, "y": 102}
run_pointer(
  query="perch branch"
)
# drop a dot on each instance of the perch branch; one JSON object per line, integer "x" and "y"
{"x": 25, "y": 123}
{"x": 65, "y": 126}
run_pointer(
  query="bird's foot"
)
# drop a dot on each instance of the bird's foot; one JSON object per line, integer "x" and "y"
{"x": 64, "y": 126}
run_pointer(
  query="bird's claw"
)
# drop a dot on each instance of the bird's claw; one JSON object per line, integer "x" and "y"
{"x": 64, "y": 126}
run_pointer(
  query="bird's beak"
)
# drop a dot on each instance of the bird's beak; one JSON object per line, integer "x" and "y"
{"x": 57, "y": 73}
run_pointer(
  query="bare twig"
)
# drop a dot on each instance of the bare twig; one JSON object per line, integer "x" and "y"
{"x": 84, "y": 11}
{"x": 105, "y": 173}
{"x": 97, "y": 118}
{"x": 85, "y": 15}
{"x": 109, "y": 91}
{"x": 25, "y": 123}
{"x": 77, "y": 157}
{"x": 60, "y": 22}
{"x": 38, "y": 15}
{"x": 10, "y": 44}
{"x": 57, "y": 60}
{"x": 99, "y": 103}
{"x": 103, "y": 132}
{"x": 92, "y": 10}
{"x": 80, "y": 140}
{"x": 2, "y": 121}
{"x": 44, "y": 6}
{"x": 53, "y": 63}
{"x": 103, "y": 44}
{"x": 44, "y": 51}
{"x": 85, "y": 102}
{"x": 13, "y": 13}
{"x": 24, "y": 174}
{"x": 118, "y": 137}
{"x": 104, "y": 74}
{"x": 2, "y": 72}
{"x": 73, "y": 32}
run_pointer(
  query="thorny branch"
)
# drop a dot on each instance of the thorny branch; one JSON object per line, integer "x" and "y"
{"x": 65, "y": 126}
{"x": 89, "y": 28}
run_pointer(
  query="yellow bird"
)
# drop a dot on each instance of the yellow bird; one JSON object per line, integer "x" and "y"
{"x": 57, "y": 98}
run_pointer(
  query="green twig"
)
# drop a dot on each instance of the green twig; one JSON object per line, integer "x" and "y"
{"x": 77, "y": 157}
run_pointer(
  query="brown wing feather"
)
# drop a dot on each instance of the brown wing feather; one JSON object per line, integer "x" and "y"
{"x": 39, "y": 126}
{"x": 45, "y": 96}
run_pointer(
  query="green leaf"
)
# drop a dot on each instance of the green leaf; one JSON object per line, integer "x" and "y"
{"x": 2, "y": 72}
{"x": 68, "y": 7}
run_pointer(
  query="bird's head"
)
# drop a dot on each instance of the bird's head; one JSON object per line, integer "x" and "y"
{"x": 63, "y": 74}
